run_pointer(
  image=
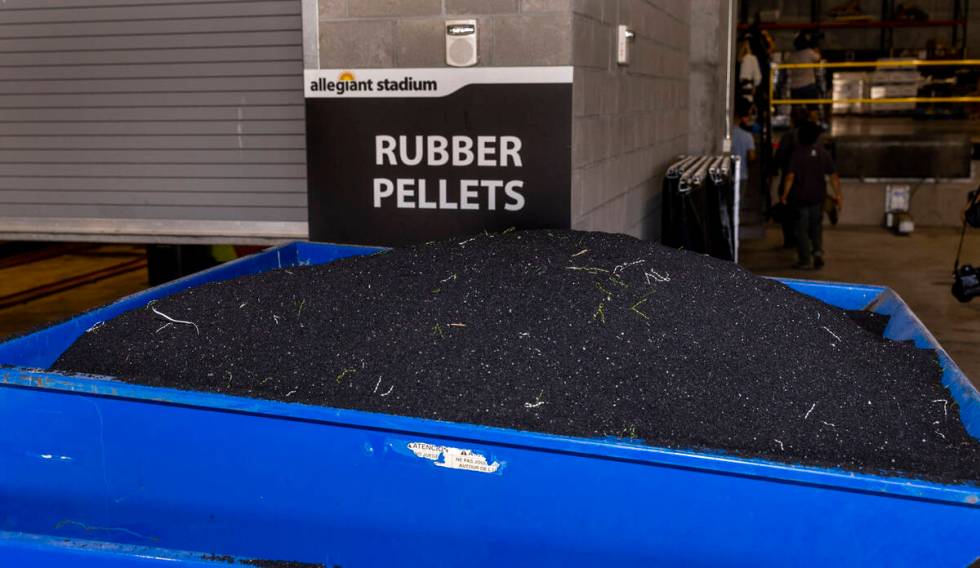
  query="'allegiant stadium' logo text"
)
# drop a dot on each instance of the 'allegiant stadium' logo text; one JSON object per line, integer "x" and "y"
{"x": 348, "y": 84}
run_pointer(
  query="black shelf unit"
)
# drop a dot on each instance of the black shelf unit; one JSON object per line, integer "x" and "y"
{"x": 886, "y": 24}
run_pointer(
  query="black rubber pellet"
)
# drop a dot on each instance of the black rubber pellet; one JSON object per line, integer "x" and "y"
{"x": 581, "y": 334}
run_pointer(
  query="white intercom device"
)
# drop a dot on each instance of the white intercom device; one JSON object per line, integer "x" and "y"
{"x": 461, "y": 46}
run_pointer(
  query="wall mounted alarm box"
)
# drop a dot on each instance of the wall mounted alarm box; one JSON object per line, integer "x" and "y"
{"x": 461, "y": 46}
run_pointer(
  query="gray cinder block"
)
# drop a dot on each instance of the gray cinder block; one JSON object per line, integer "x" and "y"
{"x": 532, "y": 39}
{"x": 375, "y": 46}
{"x": 456, "y": 7}
{"x": 394, "y": 8}
{"x": 329, "y": 9}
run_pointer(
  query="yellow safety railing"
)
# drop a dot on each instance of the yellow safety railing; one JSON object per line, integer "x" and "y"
{"x": 864, "y": 64}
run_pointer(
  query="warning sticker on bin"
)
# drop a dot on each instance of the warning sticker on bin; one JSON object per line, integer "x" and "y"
{"x": 454, "y": 458}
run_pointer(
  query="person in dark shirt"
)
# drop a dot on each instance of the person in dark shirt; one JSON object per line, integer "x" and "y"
{"x": 805, "y": 189}
{"x": 787, "y": 144}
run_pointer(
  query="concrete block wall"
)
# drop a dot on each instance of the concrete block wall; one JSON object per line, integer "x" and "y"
{"x": 933, "y": 204}
{"x": 630, "y": 122}
{"x": 411, "y": 33}
{"x": 707, "y": 69}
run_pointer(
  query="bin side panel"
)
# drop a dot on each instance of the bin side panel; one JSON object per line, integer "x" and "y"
{"x": 319, "y": 253}
{"x": 161, "y": 475}
{"x": 844, "y": 296}
{"x": 38, "y": 551}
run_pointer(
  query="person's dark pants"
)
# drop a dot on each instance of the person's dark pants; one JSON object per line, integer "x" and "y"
{"x": 786, "y": 218}
{"x": 806, "y": 92}
{"x": 788, "y": 224}
{"x": 809, "y": 232}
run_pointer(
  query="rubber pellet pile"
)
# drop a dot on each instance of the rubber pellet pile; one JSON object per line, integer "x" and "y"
{"x": 582, "y": 334}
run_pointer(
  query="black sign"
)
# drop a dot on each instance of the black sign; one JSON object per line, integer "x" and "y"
{"x": 394, "y": 160}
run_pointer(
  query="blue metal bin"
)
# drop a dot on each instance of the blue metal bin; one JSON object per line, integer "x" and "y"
{"x": 95, "y": 472}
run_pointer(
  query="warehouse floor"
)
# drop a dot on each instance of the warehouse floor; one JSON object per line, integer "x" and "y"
{"x": 45, "y": 283}
{"x": 917, "y": 267}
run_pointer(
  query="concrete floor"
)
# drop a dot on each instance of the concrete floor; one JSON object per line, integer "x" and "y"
{"x": 917, "y": 267}
{"x": 18, "y": 319}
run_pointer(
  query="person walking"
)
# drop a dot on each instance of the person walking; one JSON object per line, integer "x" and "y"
{"x": 788, "y": 143}
{"x": 805, "y": 189}
{"x": 803, "y": 82}
{"x": 749, "y": 73}
{"x": 743, "y": 143}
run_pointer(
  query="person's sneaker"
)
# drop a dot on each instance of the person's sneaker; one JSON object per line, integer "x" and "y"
{"x": 818, "y": 262}
{"x": 802, "y": 266}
